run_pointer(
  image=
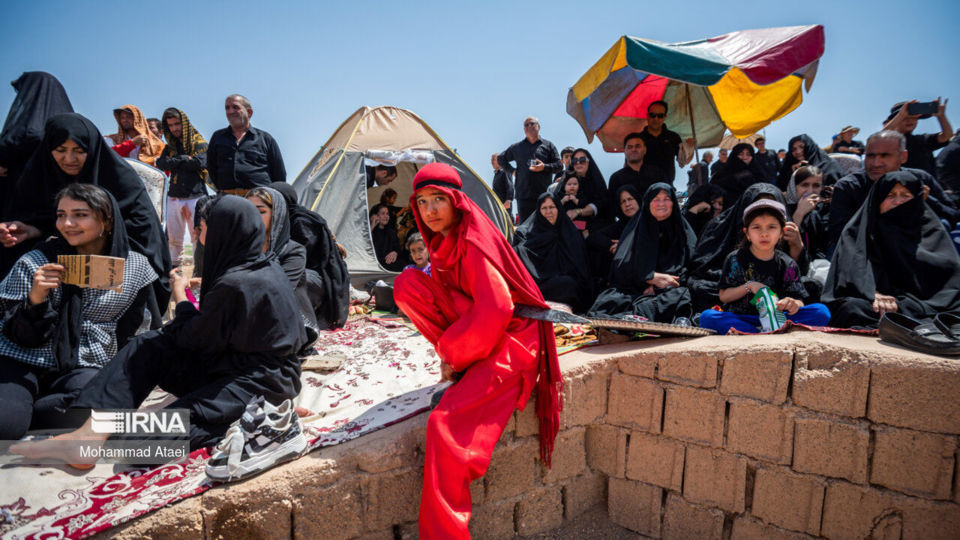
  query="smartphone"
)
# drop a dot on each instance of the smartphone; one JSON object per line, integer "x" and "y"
{"x": 923, "y": 108}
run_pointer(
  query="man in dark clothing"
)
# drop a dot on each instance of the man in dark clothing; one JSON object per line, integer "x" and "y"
{"x": 184, "y": 158}
{"x": 537, "y": 160}
{"x": 721, "y": 160}
{"x": 503, "y": 184}
{"x": 920, "y": 147}
{"x": 242, "y": 157}
{"x": 885, "y": 152}
{"x": 565, "y": 156}
{"x": 635, "y": 171}
{"x": 948, "y": 166}
{"x": 766, "y": 161}
{"x": 846, "y": 144}
{"x": 380, "y": 175}
{"x": 663, "y": 145}
{"x": 699, "y": 173}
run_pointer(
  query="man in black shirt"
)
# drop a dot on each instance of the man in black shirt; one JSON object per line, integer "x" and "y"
{"x": 721, "y": 159}
{"x": 503, "y": 184}
{"x": 242, "y": 157}
{"x": 766, "y": 161}
{"x": 635, "y": 171}
{"x": 846, "y": 144}
{"x": 948, "y": 166}
{"x": 184, "y": 158}
{"x": 699, "y": 173}
{"x": 565, "y": 156}
{"x": 920, "y": 147}
{"x": 537, "y": 160}
{"x": 663, "y": 145}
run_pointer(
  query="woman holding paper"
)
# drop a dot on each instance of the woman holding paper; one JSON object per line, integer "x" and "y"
{"x": 55, "y": 336}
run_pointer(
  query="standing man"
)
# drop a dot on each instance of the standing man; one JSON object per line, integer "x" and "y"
{"x": 503, "y": 184}
{"x": 133, "y": 138}
{"x": 185, "y": 160}
{"x": 155, "y": 127}
{"x": 663, "y": 145}
{"x": 635, "y": 171}
{"x": 721, "y": 160}
{"x": 565, "y": 156}
{"x": 699, "y": 173}
{"x": 242, "y": 157}
{"x": 846, "y": 144}
{"x": 920, "y": 147}
{"x": 766, "y": 161}
{"x": 537, "y": 160}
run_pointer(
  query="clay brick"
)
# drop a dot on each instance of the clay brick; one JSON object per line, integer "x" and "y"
{"x": 477, "y": 495}
{"x": 385, "y": 534}
{"x": 539, "y": 511}
{"x": 745, "y": 528}
{"x": 392, "y": 499}
{"x": 315, "y": 505}
{"x": 246, "y": 518}
{"x": 513, "y": 470}
{"x": 840, "y": 390}
{"x": 831, "y": 449}
{"x": 493, "y": 521}
{"x": 607, "y": 449}
{"x": 635, "y": 403}
{"x": 643, "y": 364}
{"x": 913, "y": 462}
{"x": 183, "y": 522}
{"x": 788, "y": 500}
{"x": 695, "y": 415}
{"x": 655, "y": 460}
{"x": 388, "y": 449}
{"x": 956, "y": 480}
{"x": 569, "y": 456}
{"x": 851, "y": 511}
{"x": 916, "y": 396}
{"x": 407, "y": 531}
{"x": 715, "y": 478}
{"x": 584, "y": 493}
{"x": 689, "y": 368}
{"x": 684, "y": 520}
{"x": 527, "y": 423}
{"x": 760, "y": 431}
{"x": 585, "y": 399}
{"x": 761, "y": 375}
{"x": 635, "y": 506}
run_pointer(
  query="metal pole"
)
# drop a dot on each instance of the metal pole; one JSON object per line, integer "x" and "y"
{"x": 693, "y": 128}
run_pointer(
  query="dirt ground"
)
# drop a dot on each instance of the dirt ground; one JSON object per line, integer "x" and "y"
{"x": 593, "y": 524}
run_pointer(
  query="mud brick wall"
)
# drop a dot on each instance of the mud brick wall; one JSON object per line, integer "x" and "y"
{"x": 797, "y": 436}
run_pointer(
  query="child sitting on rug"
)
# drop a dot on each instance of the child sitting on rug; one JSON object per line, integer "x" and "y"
{"x": 418, "y": 253}
{"x": 758, "y": 264}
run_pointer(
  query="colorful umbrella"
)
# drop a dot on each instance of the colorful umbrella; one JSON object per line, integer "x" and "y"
{"x": 741, "y": 81}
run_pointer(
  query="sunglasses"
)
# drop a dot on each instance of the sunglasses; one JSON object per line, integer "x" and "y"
{"x": 656, "y": 115}
{"x": 531, "y": 124}
{"x": 579, "y": 160}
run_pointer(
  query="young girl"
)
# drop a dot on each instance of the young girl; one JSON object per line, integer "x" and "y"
{"x": 575, "y": 204}
{"x": 56, "y": 337}
{"x": 757, "y": 265}
{"x": 808, "y": 204}
{"x": 418, "y": 253}
{"x": 465, "y": 309}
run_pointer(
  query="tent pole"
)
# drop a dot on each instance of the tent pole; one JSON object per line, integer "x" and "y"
{"x": 693, "y": 128}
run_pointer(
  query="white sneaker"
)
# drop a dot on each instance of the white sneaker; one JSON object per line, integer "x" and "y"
{"x": 263, "y": 437}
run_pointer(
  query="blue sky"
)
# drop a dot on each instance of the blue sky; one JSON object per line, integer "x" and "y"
{"x": 473, "y": 70}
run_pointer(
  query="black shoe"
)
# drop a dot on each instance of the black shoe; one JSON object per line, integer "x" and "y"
{"x": 923, "y": 337}
{"x": 949, "y": 324}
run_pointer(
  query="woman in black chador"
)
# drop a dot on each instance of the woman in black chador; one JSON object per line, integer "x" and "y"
{"x": 651, "y": 257}
{"x": 553, "y": 251}
{"x": 893, "y": 255}
{"x": 803, "y": 149}
{"x": 737, "y": 174}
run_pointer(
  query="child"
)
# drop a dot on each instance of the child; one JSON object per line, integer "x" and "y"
{"x": 757, "y": 265}
{"x": 466, "y": 310}
{"x": 573, "y": 201}
{"x": 418, "y": 253}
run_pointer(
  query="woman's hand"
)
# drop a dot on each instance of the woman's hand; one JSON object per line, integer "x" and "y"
{"x": 390, "y": 258}
{"x": 700, "y": 207}
{"x": 791, "y": 234}
{"x": 45, "y": 279}
{"x": 613, "y": 246}
{"x": 799, "y": 164}
{"x": 178, "y": 286}
{"x": 884, "y": 304}
{"x": 17, "y": 232}
{"x": 790, "y": 305}
{"x": 663, "y": 281}
{"x": 805, "y": 206}
{"x": 572, "y": 214}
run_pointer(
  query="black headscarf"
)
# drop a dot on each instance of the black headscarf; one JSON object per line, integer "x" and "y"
{"x": 705, "y": 193}
{"x": 235, "y": 234}
{"x": 647, "y": 245}
{"x": 632, "y": 190}
{"x": 43, "y": 178}
{"x": 311, "y": 230}
{"x": 722, "y": 233}
{"x": 551, "y": 250}
{"x": 903, "y": 252}
{"x": 736, "y": 176}
{"x": 39, "y": 96}
{"x": 813, "y": 155}
{"x": 67, "y": 330}
{"x": 592, "y": 186}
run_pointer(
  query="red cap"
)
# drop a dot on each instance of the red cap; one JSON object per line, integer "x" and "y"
{"x": 437, "y": 174}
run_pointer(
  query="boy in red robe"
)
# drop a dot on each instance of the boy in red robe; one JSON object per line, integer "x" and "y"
{"x": 495, "y": 357}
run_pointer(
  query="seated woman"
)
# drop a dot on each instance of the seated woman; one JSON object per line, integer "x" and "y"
{"x": 808, "y": 205}
{"x": 737, "y": 174}
{"x": 328, "y": 281}
{"x": 703, "y": 205}
{"x": 553, "y": 251}
{"x": 55, "y": 337}
{"x": 385, "y": 242}
{"x": 242, "y": 343}
{"x": 291, "y": 256}
{"x": 893, "y": 256}
{"x": 602, "y": 243}
{"x": 74, "y": 151}
{"x": 576, "y": 202}
{"x": 650, "y": 258}
{"x": 802, "y": 150}
{"x": 756, "y": 265}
